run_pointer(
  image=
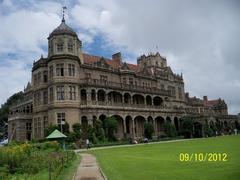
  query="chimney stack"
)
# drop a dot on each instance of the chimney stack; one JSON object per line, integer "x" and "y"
{"x": 205, "y": 98}
{"x": 117, "y": 57}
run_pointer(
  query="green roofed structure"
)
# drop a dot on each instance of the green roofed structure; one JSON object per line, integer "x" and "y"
{"x": 56, "y": 134}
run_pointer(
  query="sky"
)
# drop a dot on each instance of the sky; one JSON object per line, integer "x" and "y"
{"x": 200, "y": 39}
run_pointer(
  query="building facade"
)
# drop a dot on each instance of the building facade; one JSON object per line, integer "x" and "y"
{"x": 72, "y": 86}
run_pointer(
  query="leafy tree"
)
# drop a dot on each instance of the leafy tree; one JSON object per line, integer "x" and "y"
{"x": 4, "y": 111}
{"x": 110, "y": 125}
{"x": 99, "y": 131}
{"x": 170, "y": 129}
{"x": 187, "y": 127}
{"x": 207, "y": 130}
{"x": 91, "y": 134}
{"x": 51, "y": 127}
{"x": 77, "y": 130}
{"x": 148, "y": 130}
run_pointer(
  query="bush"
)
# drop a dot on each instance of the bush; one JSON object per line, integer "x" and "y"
{"x": 110, "y": 124}
{"x": 148, "y": 130}
{"x": 187, "y": 127}
{"x": 170, "y": 130}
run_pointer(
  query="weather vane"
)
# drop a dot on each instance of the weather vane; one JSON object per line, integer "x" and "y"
{"x": 63, "y": 11}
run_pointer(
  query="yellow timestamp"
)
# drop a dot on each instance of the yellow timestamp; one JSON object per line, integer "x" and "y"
{"x": 203, "y": 157}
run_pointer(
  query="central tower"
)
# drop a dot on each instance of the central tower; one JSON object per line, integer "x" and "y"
{"x": 64, "y": 41}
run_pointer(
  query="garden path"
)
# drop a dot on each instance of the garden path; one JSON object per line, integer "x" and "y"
{"x": 88, "y": 168}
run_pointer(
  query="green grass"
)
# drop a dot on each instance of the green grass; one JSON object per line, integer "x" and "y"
{"x": 161, "y": 161}
{"x": 66, "y": 174}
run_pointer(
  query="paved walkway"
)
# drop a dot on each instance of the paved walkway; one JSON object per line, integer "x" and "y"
{"x": 88, "y": 169}
{"x": 131, "y": 145}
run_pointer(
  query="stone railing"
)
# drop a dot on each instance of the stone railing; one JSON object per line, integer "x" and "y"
{"x": 121, "y": 86}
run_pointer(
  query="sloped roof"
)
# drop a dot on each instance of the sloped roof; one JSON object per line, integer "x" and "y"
{"x": 62, "y": 29}
{"x": 56, "y": 134}
{"x": 91, "y": 59}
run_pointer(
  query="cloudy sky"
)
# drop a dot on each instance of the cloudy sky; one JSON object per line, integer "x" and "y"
{"x": 199, "y": 38}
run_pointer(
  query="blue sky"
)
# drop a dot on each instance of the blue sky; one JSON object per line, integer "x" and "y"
{"x": 199, "y": 38}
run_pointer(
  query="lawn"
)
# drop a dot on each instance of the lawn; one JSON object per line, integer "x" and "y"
{"x": 161, "y": 161}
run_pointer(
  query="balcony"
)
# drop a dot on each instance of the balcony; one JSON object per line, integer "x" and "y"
{"x": 121, "y": 86}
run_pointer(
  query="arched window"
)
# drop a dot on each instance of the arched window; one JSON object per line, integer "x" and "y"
{"x": 70, "y": 46}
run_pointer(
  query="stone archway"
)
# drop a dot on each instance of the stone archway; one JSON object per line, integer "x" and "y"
{"x": 176, "y": 123}
{"x": 84, "y": 124}
{"x": 159, "y": 125}
{"x": 197, "y": 130}
{"x": 139, "y": 126}
{"x": 119, "y": 133}
{"x": 129, "y": 126}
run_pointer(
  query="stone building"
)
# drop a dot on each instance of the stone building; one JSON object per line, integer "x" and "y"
{"x": 72, "y": 86}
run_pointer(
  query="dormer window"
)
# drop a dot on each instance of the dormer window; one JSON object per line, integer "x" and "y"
{"x": 60, "y": 47}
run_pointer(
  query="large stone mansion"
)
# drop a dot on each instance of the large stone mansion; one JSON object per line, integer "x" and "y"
{"x": 72, "y": 86}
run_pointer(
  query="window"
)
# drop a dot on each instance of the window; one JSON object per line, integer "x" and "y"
{"x": 103, "y": 78}
{"x": 45, "y": 77}
{"x": 28, "y": 126}
{"x": 39, "y": 127}
{"x": 162, "y": 86}
{"x": 179, "y": 92}
{"x": 60, "y": 69}
{"x": 51, "y": 93}
{"x": 60, "y": 92}
{"x": 45, "y": 97}
{"x": 60, "y": 47}
{"x": 70, "y": 47}
{"x": 35, "y": 79}
{"x": 60, "y": 118}
{"x": 172, "y": 90}
{"x": 71, "y": 69}
{"x": 72, "y": 92}
{"x": 131, "y": 81}
{"x": 37, "y": 98}
{"x": 88, "y": 75}
{"x": 45, "y": 121}
{"x": 39, "y": 75}
{"x": 124, "y": 80}
{"x": 51, "y": 71}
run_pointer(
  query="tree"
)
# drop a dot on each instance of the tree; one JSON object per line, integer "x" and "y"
{"x": 51, "y": 127}
{"x": 110, "y": 126}
{"x": 148, "y": 130}
{"x": 170, "y": 129}
{"x": 207, "y": 130}
{"x": 77, "y": 130}
{"x": 99, "y": 130}
{"x": 4, "y": 111}
{"x": 187, "y": 127}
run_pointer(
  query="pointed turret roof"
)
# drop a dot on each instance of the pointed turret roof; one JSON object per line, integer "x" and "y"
{"x": 63, "y": 29}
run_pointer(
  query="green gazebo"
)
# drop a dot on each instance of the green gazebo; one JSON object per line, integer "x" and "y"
{"x": 57, "y": 135}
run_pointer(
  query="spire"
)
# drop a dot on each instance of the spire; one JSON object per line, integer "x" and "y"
{"x": 63, "y": 11}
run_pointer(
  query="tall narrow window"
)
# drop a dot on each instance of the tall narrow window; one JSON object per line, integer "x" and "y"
{"x": 45, "y": 77}
{"x": 51, "y": 93}
{"x": 70, "y": 47}
{"x": 45, "y": 97}
{"x": 71, "y": 69}
{"x": 60, "y": 92}
{"x": 51, "y": 71}
{"x": 72, "y": 92}
{"x": 124, "y": 80}
{"x": 60, "y": 118}
{"x": 179, "y": 92}
{"x": 88, "y": 75}
{"x": 131, "y": 81}
{"x": 60, "y": 69}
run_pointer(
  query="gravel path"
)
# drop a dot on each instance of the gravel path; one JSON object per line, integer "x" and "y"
{"x": 88, "y": 169}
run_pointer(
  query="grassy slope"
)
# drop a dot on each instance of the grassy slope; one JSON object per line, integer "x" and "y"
{"x": 161, "y": 161}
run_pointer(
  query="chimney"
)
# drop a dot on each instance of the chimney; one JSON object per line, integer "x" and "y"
{"x": 117, "y": 57}
{"x": 205, "y": 98}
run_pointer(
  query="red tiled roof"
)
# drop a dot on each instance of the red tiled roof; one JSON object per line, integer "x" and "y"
{"x": 90, "y": 59}
{"x": 211, "y": 103}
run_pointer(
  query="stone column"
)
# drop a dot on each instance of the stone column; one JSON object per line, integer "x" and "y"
{"x": 124, "y": 127}
{"x": 133, "y": 128}
{"x": 154, "y": 126}
{"x": 89, "y": 101}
